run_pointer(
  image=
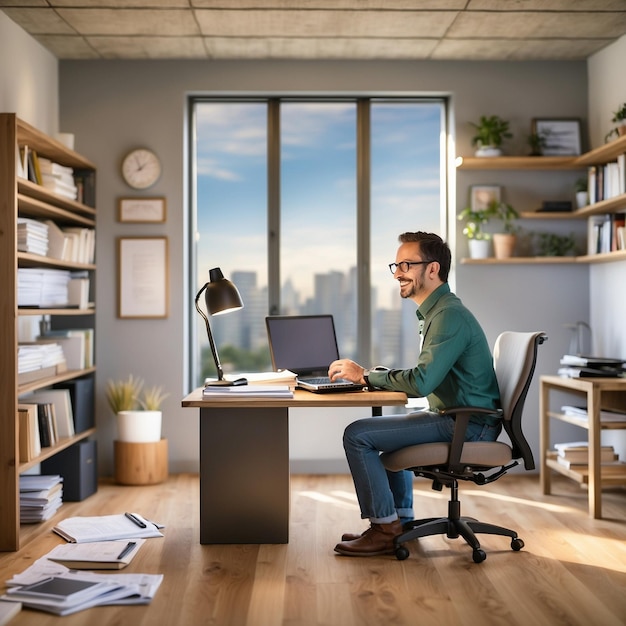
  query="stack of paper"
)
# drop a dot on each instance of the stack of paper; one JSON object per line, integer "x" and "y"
{"x": 32, "y": 236}
{"x": 75, "y": 591}
{"x": 130, "y": 588}
{"x": 40, "y": 497}
{"x": 42, "y": 287}
{"x": 96, "y": 555}
{"x": 248, "y": 391}
{"x": 577, "y": 366}
{"x": 58, "y": 178}
{"x": 106, "y": 528}
{"x": 282, "y": 377}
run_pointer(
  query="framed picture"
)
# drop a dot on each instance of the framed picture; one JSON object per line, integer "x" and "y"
{"x": 141, "y": 210}
{"x": 481, "y": 196}
{"x": 143, "y": 282}
{"x": 558, "y": 137}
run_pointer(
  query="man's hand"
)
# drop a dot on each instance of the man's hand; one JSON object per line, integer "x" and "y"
{"x": 344, "y": 368}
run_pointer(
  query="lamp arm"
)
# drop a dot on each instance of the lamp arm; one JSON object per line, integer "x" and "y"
{"x": 216, "y": 359}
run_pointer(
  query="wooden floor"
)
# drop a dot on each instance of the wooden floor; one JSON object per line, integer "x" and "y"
{"x": 571, "y": 572}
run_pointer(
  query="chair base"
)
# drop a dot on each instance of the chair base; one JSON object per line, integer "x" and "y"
{"x": 453, "y": 526}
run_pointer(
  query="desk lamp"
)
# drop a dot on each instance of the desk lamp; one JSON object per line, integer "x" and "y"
{"x": 221, "y": 297}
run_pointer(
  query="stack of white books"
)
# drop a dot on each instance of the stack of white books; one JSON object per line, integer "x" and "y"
{"x": 58, "y": 178}
{"x": 42, "y": 287}
{"x": 33, "y": 357}
{"x": 32, "y": 236}
{"x": 576, "y": 453}
{"x": 40, "y": 497}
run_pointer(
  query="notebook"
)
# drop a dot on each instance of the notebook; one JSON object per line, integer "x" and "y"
{"x": 306, "y": 345}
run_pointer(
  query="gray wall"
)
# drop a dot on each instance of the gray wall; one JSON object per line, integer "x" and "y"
{"x": 114, "y": 106}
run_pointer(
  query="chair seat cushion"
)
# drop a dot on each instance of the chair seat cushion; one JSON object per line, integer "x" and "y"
{"x": 475, "y": 453}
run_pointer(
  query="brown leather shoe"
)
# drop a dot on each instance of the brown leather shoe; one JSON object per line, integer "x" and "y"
{"x": 377, "y": 540}
{"x": 351, "y": 536}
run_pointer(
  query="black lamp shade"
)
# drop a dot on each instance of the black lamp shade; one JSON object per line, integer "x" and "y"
{"x": 221, "y": 295}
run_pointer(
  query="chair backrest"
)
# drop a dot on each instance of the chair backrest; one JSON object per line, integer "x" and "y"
{"x": 515, "y": 356}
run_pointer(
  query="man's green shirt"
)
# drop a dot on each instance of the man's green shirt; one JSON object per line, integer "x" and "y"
{"x": 455, "y": 365}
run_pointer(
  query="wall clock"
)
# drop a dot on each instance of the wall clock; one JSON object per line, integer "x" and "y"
{"x": 141, "y": 168}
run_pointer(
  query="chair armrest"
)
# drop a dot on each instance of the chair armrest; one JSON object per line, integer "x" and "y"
{"x": 461, "y": 416}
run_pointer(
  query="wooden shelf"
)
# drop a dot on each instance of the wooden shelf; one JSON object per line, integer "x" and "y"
{"x": 608, "y": 152}
{"x": 53, "y": 380}
{"x": 612, "y": 475}
{"x": 519, "y": 260}
{"x": 27, "y": 259}
{"x": 520, "y": 163}
{"x": 50, "y": 451}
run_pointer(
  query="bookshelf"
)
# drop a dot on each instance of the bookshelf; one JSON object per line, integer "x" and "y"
{"x": 599, "y": 156}
{"x": 23, "y": 198}
{"x": 596, "y": 394}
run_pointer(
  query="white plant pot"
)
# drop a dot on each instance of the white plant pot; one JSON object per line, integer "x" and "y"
{"x": 139, "y": 426}
{"x": 582, "y": 199}
{"x": 479, "y": 248}
{"x": 488, "y": 151}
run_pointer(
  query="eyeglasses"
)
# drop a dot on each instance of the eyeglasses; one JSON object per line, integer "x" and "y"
{"x": 405, "y": 265}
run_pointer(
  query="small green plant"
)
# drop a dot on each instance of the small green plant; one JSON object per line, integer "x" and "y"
{"x": 123, "y": 395}
{"x": 551, "y": 244}
{"x": 152, "y": 398}
{"x": 474, "y": 220}
{"x": 580, "y": 185}
{"x": 619, "y": 117}
{"x": 620, "y": 114}
{"x": 490, "y": 131}
{"x": 537, "y": 142}
{"x": 505, "y": 212}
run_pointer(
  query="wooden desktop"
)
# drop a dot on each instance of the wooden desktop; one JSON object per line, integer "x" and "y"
{"x": 244, "y": 460}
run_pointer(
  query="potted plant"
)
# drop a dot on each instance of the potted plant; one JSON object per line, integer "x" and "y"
{"x": 138, "y": 411}
{"x": 490, "y": 133}
{"x": 619, "y": 118}
{"x": 551, "y": 244}
{"x": 478, "y": 240}
{"x": 582, "y": 195}
{"x": 537, "y": 142}
{"x": 504, "y": 243}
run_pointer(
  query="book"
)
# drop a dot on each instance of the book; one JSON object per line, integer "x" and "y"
{"x": 96, "y": 555}
{"x": 248, "y": 391}
{"x": 63, "y": 416}
{"x": 105, "y": 528}
{"x": 573, "y": 464}
{"x": 578, "y": 452}
{"x": 30, "y": 443}
{"x": 580, "y": 360}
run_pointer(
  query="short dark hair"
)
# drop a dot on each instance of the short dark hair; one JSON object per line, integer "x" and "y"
{"x": 433, "y": 248}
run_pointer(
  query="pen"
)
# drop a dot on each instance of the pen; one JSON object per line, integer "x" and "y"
{"x": 135, "y": 520}
{"x": 129, "y": 546}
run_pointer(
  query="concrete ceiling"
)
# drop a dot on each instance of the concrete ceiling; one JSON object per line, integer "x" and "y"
{"x": 321, "y": 29}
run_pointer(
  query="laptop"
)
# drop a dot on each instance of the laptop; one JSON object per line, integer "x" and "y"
{"x": 306, "y": 345}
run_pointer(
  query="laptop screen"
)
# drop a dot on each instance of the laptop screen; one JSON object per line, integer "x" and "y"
{"x": 304, "y": 344}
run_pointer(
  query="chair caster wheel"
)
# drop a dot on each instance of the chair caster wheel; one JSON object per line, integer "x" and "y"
{"x": 517, "y": 544}
{"x": 479, "y": 555}
{"x": 402, "y": 553}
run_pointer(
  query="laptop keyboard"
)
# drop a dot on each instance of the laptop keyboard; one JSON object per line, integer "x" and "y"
{"x": 324, "y": 380}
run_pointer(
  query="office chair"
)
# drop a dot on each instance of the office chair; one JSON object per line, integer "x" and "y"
{"x": 515, "y": 355}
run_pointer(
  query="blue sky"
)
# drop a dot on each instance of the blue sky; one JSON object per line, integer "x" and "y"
{"x": 318, "y": 161}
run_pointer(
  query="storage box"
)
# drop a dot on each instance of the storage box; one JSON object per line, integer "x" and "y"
{"x": 78, "y": 465}
{"x": 82, "y": 397}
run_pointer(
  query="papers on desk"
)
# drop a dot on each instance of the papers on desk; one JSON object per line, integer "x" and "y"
{"x": 248, "y": 391}
{"x": 106, "y": 528}
{"x": 282, "y": 377}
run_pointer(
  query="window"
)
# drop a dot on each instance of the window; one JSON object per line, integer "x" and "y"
{"x": 300, "y": 202}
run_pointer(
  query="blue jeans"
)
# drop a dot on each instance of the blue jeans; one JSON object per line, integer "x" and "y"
{"x": 384, "y": 496}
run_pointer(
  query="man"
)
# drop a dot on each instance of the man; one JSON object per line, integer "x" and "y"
{"x": 455, "y": 367}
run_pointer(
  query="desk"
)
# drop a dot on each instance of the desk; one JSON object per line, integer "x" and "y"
{"x": 244, "y": 461}
{"x": 605, "y": 393}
